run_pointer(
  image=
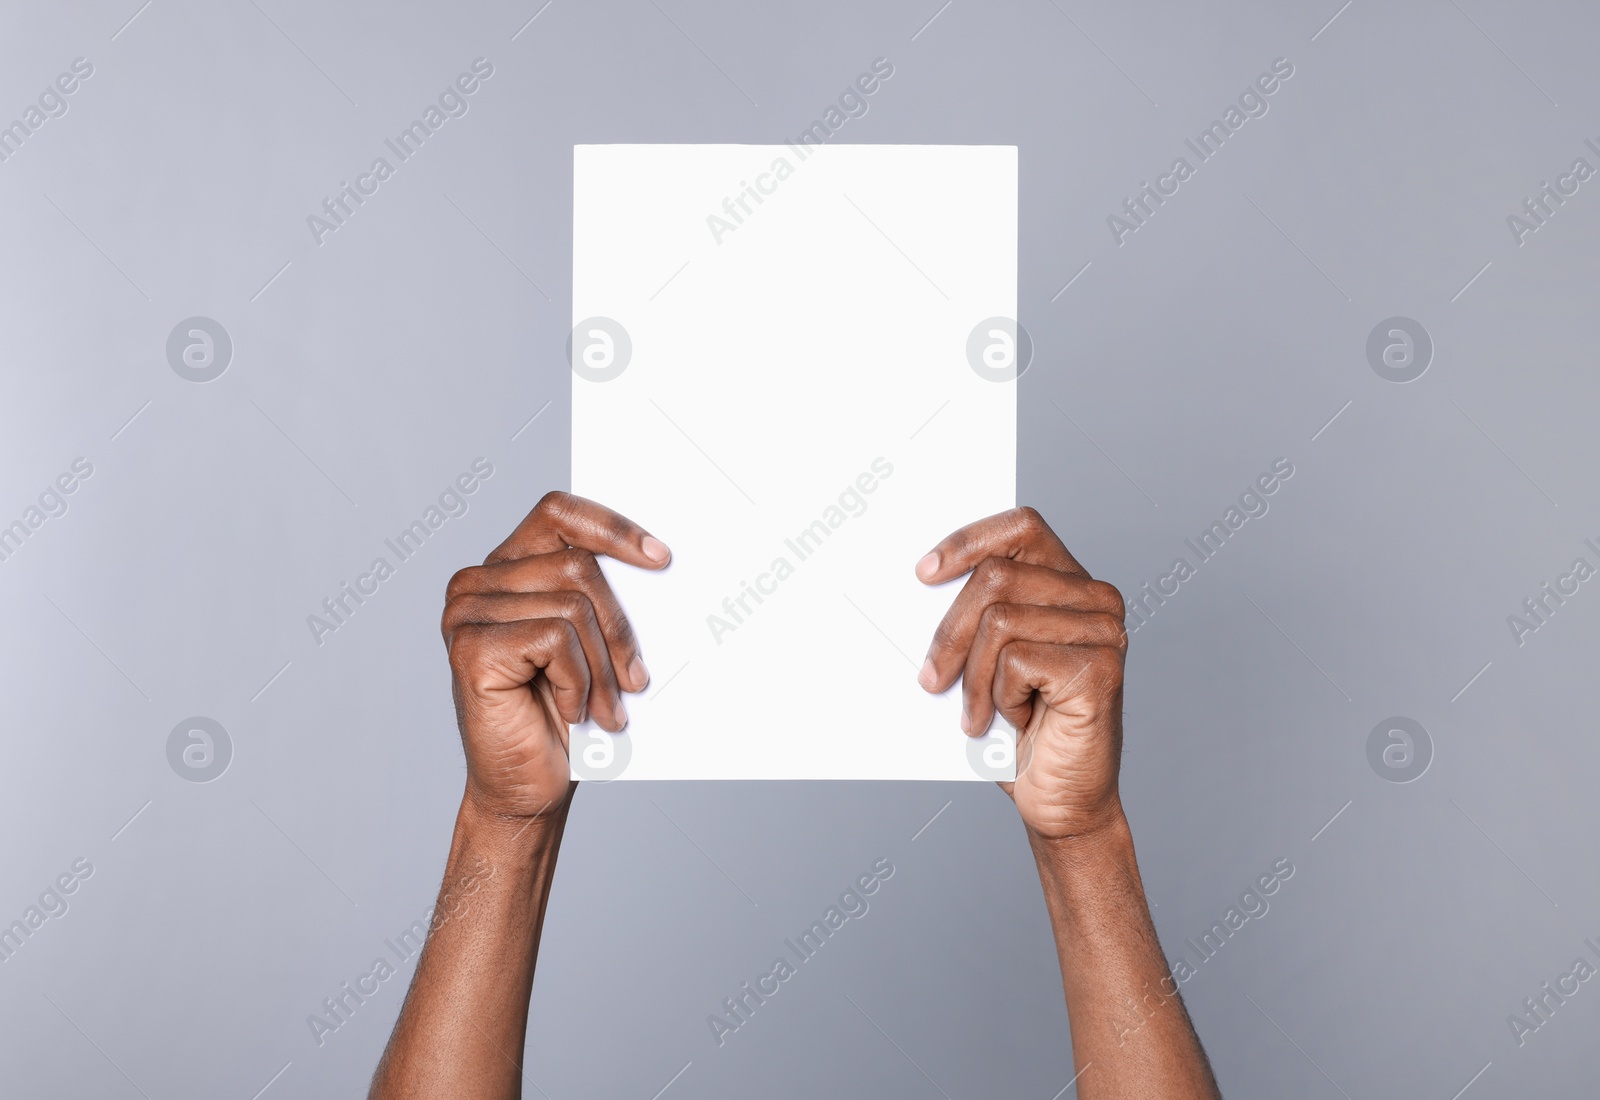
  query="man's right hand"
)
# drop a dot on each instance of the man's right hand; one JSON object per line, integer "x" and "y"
{"x": 537, "y": 642}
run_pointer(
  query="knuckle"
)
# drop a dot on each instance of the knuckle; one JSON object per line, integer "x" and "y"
{"x": 1110, "y": 629}
{"x": 461, "y": 581}
{"x": 559, "y": 635}
{"x": 1106, "y": 666}
{"x": 991, "y": 574}
{"x": 997, "y": 621}
{"x": 573, "y": 606}
{"x": 1029, "y": 519}
{"x": 580, "y": 566}
{"x": 457, "y": 610}
{"x": 1012, "y": 663}
{"x": 1109, "y": 597}
{"x": 467, "y": 648}
{"x": 553, "y": 503}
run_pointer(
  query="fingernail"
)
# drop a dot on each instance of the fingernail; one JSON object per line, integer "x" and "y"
{"x": 655, "y": 549}
{"x": 966, "y": 722}
{"x": 622, "y": 714}
{"x": 927, "y": 677}
{"x": 928, "y": 566}
{"x": 638, "y": 673}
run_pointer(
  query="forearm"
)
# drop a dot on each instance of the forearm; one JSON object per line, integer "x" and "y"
{"x": 464, "y": 1022}
{"x": 1131, "y": 1034}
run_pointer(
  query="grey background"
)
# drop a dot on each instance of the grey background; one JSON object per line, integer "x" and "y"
{"x": 371, "y": 370}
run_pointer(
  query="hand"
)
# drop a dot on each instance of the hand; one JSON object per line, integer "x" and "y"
{"x": 537, "y": 641}
{"x": 1033, "y": 636}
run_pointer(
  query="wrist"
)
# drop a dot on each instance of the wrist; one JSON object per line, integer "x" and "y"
{"x": 1090, "y": 865}
{"x": 506, "y": 837}
{"x": 1075, "y": 827}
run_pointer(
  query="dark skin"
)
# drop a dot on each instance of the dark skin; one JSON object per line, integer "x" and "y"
{"x": 538, "y": 641}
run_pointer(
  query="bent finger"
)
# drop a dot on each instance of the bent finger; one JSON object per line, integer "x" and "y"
{"x": 495, "y": 664}
{"x": 1003, "y": 624}
{"x": 1020, "y": 533}
{"x": 1001, "y": 580}
{"x": 561, "y": 520}
{"x": 605, "y": 697}
{"x": 1076, "y": 681}
{"x": 569, "y": 568}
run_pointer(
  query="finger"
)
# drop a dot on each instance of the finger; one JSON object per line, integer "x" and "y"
{"x": 572, "y": 568}
{"x": 495, "y": 665}
{"x": 1004, "y": 623}
{"x": 1066, "y": 677}
{"x": 1002, "y": 580}
{"x": 1020, "y": 533}
{"x": 605, "y": 696}
{"x": 561, "y": 520}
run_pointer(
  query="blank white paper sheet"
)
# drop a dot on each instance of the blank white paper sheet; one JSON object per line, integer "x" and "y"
{"x": 772, "y": 374}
